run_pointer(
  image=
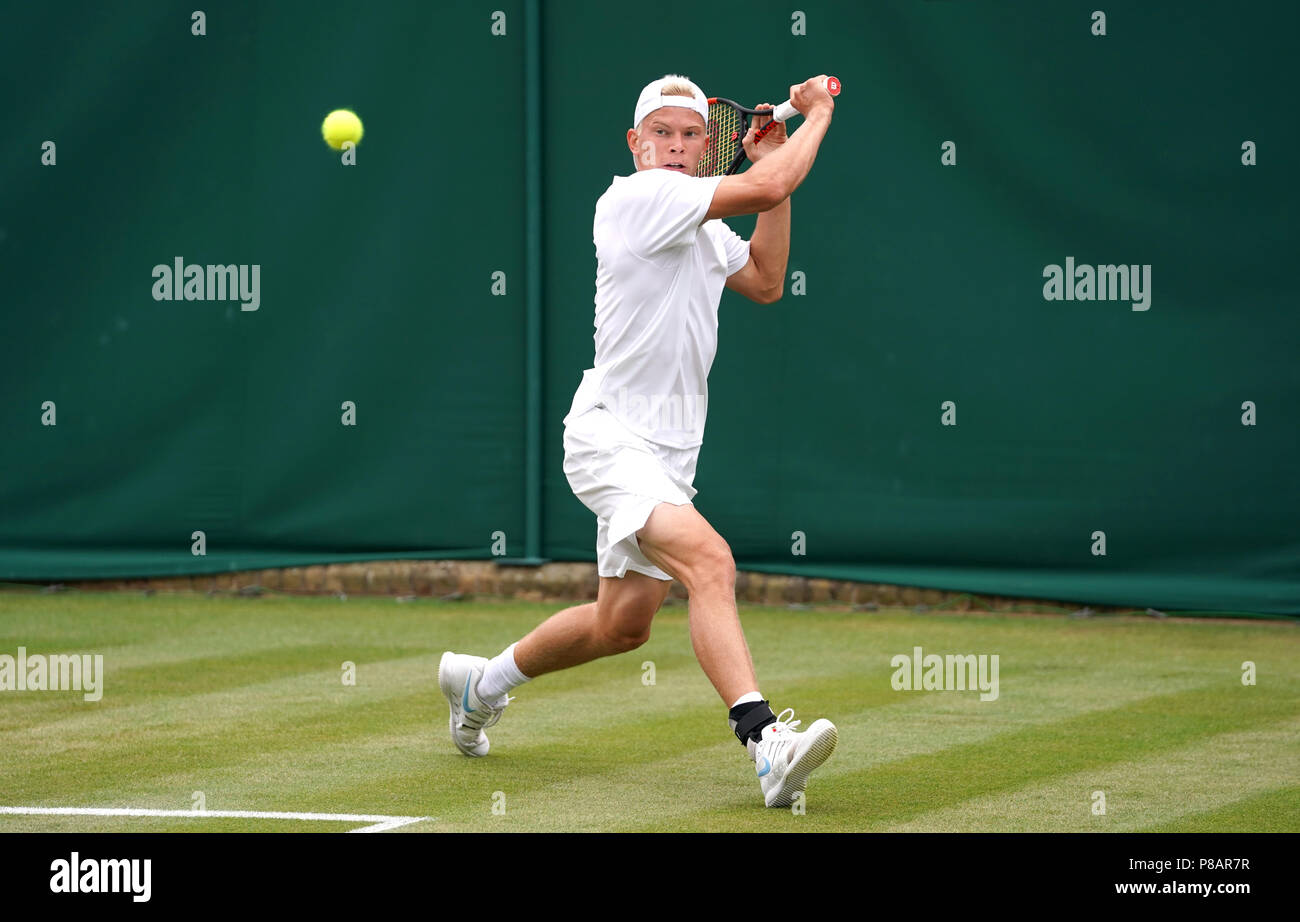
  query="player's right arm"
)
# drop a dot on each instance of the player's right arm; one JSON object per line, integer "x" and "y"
{"x": 771, "y": 181}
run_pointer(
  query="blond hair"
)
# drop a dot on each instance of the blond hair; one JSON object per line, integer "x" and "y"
{"x": 677, "y": 86}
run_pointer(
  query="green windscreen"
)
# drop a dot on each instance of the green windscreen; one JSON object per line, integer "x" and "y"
{"x": 1038, "y": 335}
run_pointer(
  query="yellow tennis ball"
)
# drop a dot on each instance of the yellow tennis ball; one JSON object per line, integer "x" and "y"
{"x": 339, "y": 126}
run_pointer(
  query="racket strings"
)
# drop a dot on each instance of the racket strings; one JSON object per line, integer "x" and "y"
{"x": 726, "y": 130}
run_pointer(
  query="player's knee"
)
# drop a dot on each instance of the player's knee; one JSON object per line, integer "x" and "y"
{"x": 625, "y": 625}
{"x": 713, "y": 568}
{"x": 629, "y": 629}
{"x": 621, "y": 638}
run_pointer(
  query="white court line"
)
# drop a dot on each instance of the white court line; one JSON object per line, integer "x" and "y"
{"x": 379, "y": 822}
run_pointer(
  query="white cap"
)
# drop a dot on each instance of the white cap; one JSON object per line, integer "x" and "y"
{"x": 651, "y": 99}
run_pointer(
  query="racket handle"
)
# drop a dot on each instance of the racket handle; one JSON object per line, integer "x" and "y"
{"x": 786, "y": 111}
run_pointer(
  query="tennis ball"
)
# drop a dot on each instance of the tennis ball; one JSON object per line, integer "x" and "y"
{"x": 339, "y": 126}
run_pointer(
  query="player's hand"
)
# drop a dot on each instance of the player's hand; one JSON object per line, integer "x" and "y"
{"x": 811, "y": 96}
{"x": 771, "y": 141}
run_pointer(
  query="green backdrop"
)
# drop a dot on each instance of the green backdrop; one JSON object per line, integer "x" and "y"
{"x": 923, "y": 284}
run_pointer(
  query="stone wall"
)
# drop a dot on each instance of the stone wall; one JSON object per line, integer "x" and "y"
{"x": 558, "y": 582}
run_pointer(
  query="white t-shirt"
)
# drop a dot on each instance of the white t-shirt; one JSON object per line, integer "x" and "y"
{"x": 659, "y": 278}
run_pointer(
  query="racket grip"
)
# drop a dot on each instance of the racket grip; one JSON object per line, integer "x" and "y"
{"x": 785, "y": 111}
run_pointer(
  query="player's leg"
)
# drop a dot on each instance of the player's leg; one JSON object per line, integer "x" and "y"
{"x": 618, "y": 479}
{"x": 476, "y": 688}
{"x": 679, "y": 541}
{"x": 618, "y": 621}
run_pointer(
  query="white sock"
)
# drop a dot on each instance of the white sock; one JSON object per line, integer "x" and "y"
{"x": 499, "y": 676}
{"x": 748, "y": 696}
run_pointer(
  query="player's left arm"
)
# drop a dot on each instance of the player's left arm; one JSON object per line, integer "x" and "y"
{"x": 762, "y": 279}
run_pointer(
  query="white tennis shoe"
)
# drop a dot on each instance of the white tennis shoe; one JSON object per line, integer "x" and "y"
{"x": 458, "y": 677}
{"x": 785, "y": 757}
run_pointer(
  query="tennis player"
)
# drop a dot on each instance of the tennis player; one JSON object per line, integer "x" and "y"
{"x": 634, "y": 430}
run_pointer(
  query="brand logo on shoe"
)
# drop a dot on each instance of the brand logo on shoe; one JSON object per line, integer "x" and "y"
{"x": 764, "y": 766}
{"x": 465, "y": 699}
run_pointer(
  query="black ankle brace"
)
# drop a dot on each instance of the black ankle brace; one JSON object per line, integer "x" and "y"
{"x": 751, "y": 717}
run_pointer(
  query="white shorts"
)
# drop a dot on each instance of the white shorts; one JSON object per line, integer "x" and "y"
{"x": 622, "y": 477}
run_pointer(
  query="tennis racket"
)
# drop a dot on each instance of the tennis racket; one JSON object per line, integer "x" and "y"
{"x": 728, "y": 125}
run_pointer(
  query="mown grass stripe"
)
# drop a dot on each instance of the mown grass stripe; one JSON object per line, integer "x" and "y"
{"x": 1275, "y": 810}
{"x": 893, "y": 792}
{"x": 180, "y": 678}
{"x": 1210, "y": 774}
